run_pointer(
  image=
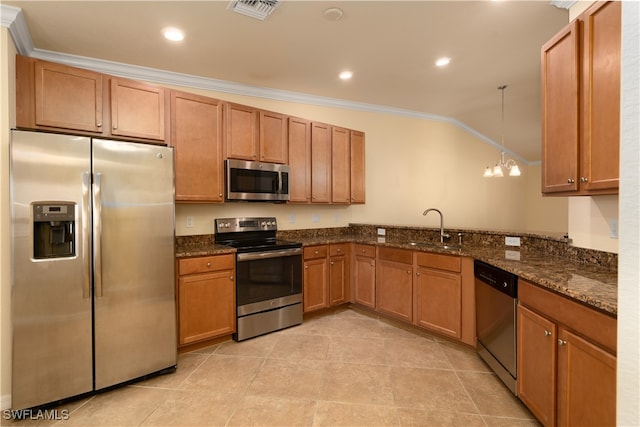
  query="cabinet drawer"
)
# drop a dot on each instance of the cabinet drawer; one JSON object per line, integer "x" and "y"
{"x": 312, "y": 252}
{"x": 338, "y": 249}
{"x": 439, "y": 261}
{"x": 206, "y": 264}
{"x": 397, "y": 255}
{"x": 364, "y": 250}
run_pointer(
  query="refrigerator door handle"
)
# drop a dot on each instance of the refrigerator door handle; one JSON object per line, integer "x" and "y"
{"x": 97, "y": 234}
{"x": 86, "y": 237}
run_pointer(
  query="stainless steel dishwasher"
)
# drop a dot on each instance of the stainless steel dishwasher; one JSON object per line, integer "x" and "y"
{"x": 496, "y": 298}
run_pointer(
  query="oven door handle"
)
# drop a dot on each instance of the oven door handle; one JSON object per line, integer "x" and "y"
{"x": 250, "y": 256}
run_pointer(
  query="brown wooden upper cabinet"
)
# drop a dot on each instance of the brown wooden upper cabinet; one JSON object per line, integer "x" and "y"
{"x": 357, "y": 167}
{"x": 299, "y": 160}
{"x": 56, "y": 97}
{"x": 255, "y": 135}
{"x": 320, "y": 163}
{"x": 581, "y": 104}
{"x": 138, "y": 110}
{"x": 52, "y": 96}
{"x": 196, "y": 135}
{"x": 340, "y": 165}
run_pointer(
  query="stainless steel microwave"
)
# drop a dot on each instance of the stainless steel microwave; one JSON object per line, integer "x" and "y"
{"x": 256, "y": 181}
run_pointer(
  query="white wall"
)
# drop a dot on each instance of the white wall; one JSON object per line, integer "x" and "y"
{"x": 629, "y": 266}
{"x": 7, "y": 119}
{"x": 411, "y": 164}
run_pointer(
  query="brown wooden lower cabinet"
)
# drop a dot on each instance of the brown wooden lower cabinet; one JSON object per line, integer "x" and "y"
{"x": 566, "y": 360}
{"x": 315, "y": 278}
{"x": 206, "y": 298}
{"x": 338, "y": 274}
{"x": 394, "y": 283}
{"x": 364, "y": 275}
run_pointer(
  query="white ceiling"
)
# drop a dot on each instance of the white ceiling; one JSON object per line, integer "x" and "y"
{"x": 390, "y": 46}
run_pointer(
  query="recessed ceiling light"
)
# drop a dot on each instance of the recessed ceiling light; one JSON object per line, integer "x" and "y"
{"x": 346, "y": 75}
{"x": 333, "y": 14}
{"x": 444, "y": 61}
{"x": 173, "y": 34}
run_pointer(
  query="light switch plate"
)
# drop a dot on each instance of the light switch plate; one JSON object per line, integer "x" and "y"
{"x": 189, "y": 222}
{"x": 512, "y": 241}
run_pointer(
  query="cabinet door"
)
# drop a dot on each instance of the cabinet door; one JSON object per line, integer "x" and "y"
{"x": 364, "y": 279}
{"x": 299, "y": 160}
{"x": 207, "y": 306}
{"x": 340, "y": 166}
{"x": 394, "y": 289}
{"x": 357, "y": 167}
{"x": 600, "y": 138}
{"x": 67, "y": 97}
{"x": 560, "y": 133}
{"x": 439, "y": 301}
{"x": 586, "y": 383}
{"x": 196, "y": 135}
{"x": 320, "y": 163}
{"x": 337, "y": 280}
{"x": 536, "y": 350}
{"x": 241, "y": 132}
{"x": 273, "y": 137}
{"x": 315, "y": 295}
{"x": 137, "y": 110}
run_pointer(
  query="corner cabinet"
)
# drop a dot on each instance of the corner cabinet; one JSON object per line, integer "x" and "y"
{"x": 566, "y": 359}
{"x": 206, "y": 298}
{"x": 196, "y": 135}
{"x": 581, "y": 104}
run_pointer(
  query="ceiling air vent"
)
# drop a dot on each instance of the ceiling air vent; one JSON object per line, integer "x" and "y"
{"x": 258, "y": 9}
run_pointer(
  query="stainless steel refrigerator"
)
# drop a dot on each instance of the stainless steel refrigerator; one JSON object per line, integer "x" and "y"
{"x": 93, "y": 264}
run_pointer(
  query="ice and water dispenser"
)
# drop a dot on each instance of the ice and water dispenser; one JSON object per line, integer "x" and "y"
{"x": 54, "y": 230}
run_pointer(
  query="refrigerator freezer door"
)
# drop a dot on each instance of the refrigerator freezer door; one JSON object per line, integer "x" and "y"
{"x": 135, "y": 322}
{"x": 51, "y": 301}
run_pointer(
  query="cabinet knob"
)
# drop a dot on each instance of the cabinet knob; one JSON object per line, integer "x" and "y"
{"x": 99, "y": 125}
{"x": 417, "y": 273}
{"x": 570, "y": 181}
{"x": 316, "y": 252}
{"x": 219, "y": 194}
{"x": 584, "y": 179}
{"x": 306, "y": 267}
{"x": 115, "y": 127}
{"x": 372, "y": 263}
{"x": 408, "y": 271}
{"x": 339, "y": 250}
{"x": 332, "y": 262}
{"x": 208, "y": 264}
{"x": 562, "y": 342}
{"x": 547, "y": 333}
{"x": 231, "y": 278}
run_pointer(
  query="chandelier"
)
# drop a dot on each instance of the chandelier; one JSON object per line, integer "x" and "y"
{"x": 502, "y": 166}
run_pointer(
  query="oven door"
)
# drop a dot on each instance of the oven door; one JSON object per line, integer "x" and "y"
{"x": 267, "y": 276}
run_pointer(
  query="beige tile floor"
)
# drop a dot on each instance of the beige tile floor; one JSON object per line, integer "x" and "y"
{"x": 343, "y": 368}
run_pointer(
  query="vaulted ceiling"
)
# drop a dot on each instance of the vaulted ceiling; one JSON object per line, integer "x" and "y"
{"x": 390, "y": 46}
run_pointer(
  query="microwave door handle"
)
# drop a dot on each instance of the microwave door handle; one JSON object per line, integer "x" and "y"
{"x": 279, "y": 182}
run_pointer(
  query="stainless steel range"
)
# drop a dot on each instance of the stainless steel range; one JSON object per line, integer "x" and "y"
{"x": 268, "y": 275}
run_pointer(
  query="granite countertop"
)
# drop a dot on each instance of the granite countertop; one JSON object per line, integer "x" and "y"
{"x": 590, "y": 284}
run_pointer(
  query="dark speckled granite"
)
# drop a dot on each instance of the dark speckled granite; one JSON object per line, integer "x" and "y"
{"x": 585, "y": 275}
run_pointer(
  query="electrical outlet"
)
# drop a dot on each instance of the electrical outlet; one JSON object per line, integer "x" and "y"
{"x": 613, "y": 228}
{"x": 315, "y": 218}
{"x": 382, "y": 232}
{"x": 512, "y": 241}
{"x": 292, "y": 219}
{"x": 189, "y": 222}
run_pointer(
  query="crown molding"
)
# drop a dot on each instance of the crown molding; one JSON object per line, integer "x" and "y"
{"x": 563, "y": 4}
{"x": 20, "y": 34}
{"x": 13, "y": 19}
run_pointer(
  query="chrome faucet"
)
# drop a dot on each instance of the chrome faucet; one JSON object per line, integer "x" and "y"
{"x": 443, "y": 235}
